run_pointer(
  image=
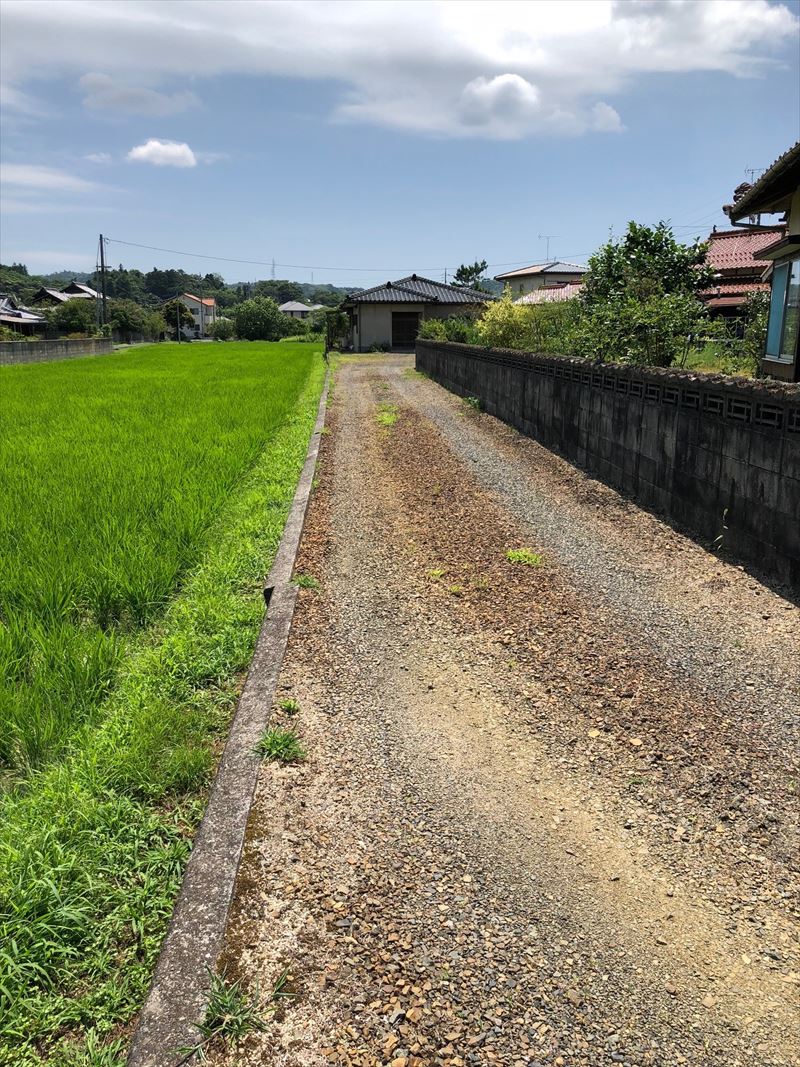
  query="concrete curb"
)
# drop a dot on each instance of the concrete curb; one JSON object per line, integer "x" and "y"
{"x": 179, "y": 992}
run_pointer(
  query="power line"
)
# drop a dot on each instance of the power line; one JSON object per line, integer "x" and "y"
{"x": 272, "y": 263}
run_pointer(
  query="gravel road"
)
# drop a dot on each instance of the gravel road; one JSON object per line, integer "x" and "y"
{"x": 550, "y": 812}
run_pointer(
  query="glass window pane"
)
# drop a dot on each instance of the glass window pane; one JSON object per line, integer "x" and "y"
{"x": 791, "y": 320}
{"x": 775, "y": 328}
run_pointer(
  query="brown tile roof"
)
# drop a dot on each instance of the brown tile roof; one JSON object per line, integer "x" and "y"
{"x": 209, "y": 301}
{"x": 738, "y": 251}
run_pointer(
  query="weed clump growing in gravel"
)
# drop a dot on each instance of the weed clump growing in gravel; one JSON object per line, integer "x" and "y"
{"x": 387, "y": 414}
{"x": 306, "y": 581}
{"x": 231, "y": 1014}
{"x": 289, "y": 705}
{"x": 473, "y": 403}
{"x": 281, "y": 746}
{"x": 525, "y": 556}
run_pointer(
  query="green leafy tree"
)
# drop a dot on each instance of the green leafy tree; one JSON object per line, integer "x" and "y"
{"x": 648, "y": 261}
{"x": 470, "y": 275}
{"x": 127, "y": 318}
{"x": 258, "y": 320}
{"x": 155, "y": 325}
{"x": 76, "y": 316}
{"x": 174, "y": 312}
{"x": 280, "y": 290}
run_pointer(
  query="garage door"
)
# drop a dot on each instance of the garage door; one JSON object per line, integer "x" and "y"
{"x": 405, "y": 325}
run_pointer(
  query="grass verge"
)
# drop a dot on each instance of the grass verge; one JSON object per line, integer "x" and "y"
{"x": 92, "y": 849}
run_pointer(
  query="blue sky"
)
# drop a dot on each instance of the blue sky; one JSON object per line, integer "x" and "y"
{"x": 384, "y": 137}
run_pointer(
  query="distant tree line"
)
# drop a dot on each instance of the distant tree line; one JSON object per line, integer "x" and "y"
{"x": 153, "y": 288}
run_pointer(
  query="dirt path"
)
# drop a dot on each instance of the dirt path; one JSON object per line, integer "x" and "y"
{"x": 550, "y": 812}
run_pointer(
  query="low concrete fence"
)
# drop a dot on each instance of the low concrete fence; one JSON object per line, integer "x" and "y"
{"x": 43, "y": 351}
{"x": 719, "y": 455}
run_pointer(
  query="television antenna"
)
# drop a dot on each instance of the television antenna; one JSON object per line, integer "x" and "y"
{"x": 547, "y": 237}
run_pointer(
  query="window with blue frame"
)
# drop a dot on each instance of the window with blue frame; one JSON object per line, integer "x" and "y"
{"x": 784, "y": 312}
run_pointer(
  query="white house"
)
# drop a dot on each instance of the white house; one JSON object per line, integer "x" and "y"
{"x": 389, "y": 315}
{"x": 529, "y": 279}
{"x": 204, "y": 311}
{"x": 294, "y": 309}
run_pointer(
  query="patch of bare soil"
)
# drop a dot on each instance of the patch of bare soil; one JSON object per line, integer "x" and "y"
{"x": 523, "y": 836}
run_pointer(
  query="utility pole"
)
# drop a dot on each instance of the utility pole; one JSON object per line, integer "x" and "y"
{"x": 103, "y": 278}
{"x": 547, "y": 237}
{"x": 178, "y": 317}
{"x": 273, "y": 268}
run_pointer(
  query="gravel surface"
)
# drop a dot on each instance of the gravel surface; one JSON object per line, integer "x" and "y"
{"x": 532, "y": 828}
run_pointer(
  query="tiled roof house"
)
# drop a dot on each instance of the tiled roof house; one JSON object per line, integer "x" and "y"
{"x": 389, "y": 315}
{"x": 739, "y": 268}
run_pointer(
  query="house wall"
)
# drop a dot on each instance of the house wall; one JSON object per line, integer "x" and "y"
{"x": 375, "y": 320}
{"x": 720, "y": 456}
{"x": 44, "y": 351}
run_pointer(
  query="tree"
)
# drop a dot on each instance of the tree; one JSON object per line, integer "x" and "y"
{"x": 470, "y": 276}
{"x": 78, "y": 315}
{"x": 127, "y": 318}
{"x": 258, "y": 320}
{"x": 646, "y": 262}
{"x": 175, "y": 311}
{"x": 279, "y": 289}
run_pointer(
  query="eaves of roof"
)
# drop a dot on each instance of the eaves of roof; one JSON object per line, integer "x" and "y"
{"x": 773, "y": 190}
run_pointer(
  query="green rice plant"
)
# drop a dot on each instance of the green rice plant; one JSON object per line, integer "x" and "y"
{"x": 281, "y": 746}
{"x": 111, "y": 774}
{"x": 525, "y": 556}
{"x": 111, "y": 472}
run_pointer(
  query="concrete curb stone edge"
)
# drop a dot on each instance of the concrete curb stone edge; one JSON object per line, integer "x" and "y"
{"x": 178, "y": 995}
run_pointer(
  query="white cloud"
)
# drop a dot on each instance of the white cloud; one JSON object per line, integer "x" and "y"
{"x": 26, "y": 178}
{"x": 163, "y": 154}
{"x": 103, "y": 93}
{"x": 501, "y": 69}
{"x": 605, "y": 119}
{"x": 98, "y": 157}
{"x": 507, "y": 105}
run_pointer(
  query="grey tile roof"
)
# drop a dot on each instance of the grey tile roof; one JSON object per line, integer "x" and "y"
{"x": 555, "y": 266}
{"x": 417, "y": 290}
{"x": 294, "y": 305}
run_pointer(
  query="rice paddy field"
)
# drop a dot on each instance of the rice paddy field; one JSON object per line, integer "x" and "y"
{"x": 142, "y": 498}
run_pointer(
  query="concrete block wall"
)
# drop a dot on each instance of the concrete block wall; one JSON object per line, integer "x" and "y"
{"x": 44, "y": 351}
{"x": 705, "y": 450}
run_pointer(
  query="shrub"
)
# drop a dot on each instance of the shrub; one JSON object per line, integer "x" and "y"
{"x": 259, "y": 319}
{"x": 546, "y": 328}
{"x": 433, "y": 330}
{"x": 221, "y": 330}
{"x": 656, "y": 332}
{"x": 746, "y": 348}
{"x": 78, "y": 316}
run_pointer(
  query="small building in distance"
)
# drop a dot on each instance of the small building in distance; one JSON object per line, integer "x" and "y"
{"x": 388, "y": 316}
{"x": 204, "y": 312}
{"x": 15, "y": 317}
{"x": 740, "y": 269}
{"x": 54, "y": 297}
{"x": 295, "y": 309}
{"x": 529, "y": 279}
{"x": 778, "y": 191}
